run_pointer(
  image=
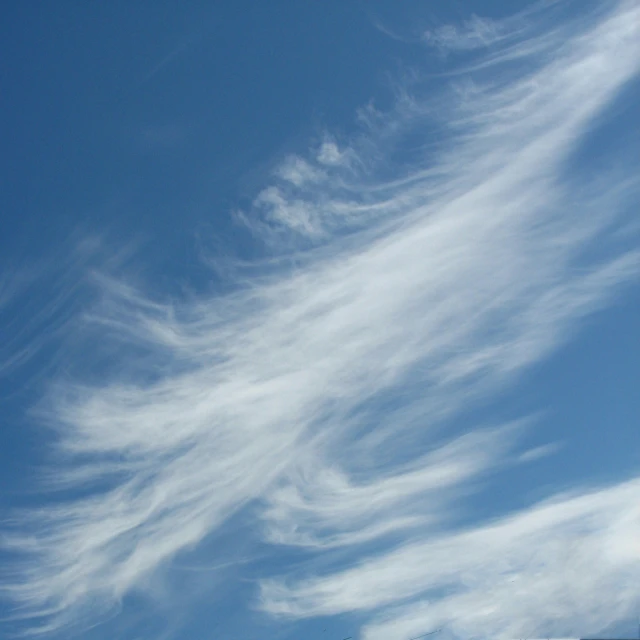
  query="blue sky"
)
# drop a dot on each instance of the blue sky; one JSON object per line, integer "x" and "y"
{"x": 320, "y": 319}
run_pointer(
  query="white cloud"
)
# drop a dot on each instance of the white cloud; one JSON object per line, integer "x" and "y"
{"x": 330, "y": 154}
{"x": 565, "y": 565}
{"x": 320, "y": 506}
{"x": 475, "y": 33}
{"x": 429, "y": 289}
{"x": 298, "y": 172}
{"x": 38, "y": 301}
{"x": 536, "y": 453}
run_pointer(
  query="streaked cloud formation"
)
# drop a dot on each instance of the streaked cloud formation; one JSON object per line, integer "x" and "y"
{"x": 502, "y": 579}
{"x": 317, "y": 397}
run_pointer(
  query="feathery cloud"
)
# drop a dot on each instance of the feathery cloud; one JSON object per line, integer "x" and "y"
{"x": 316, "y": 397}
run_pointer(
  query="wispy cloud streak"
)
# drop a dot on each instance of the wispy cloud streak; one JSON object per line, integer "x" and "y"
{"x": 527, "y": 574}
{"x": 315, "y": 396}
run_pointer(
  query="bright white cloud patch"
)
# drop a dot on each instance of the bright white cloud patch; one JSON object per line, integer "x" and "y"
{"x": 524, "y": 574}
{"x": 318, "y": 397}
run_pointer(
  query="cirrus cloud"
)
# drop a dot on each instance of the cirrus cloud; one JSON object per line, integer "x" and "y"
{"x": 316, "y": 398}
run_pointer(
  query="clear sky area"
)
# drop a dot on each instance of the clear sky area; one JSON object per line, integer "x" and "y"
{"x": 320, "y": 319}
